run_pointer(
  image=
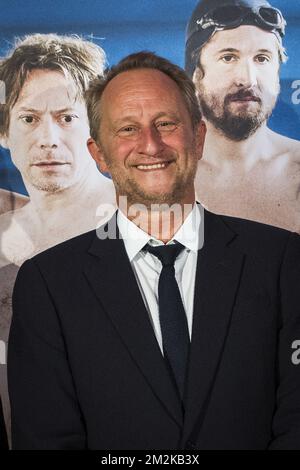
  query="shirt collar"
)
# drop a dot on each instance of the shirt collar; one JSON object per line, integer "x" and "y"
{"x": 134, "y": 238}
{"x": 190, "y": 234}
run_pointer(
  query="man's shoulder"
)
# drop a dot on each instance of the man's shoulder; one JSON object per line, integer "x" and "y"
{"x": 10, "y": 201}
{"x": 254, "y": 233}
{"x": 16, "y": 216}
{"x": 294, "y": 146}
{"x": 59, "y": 264}
{"x": 72, "y": 252}
{"x": 5, "y": 220}
{"x": 11, "y": 220}
{"x": 286, "y": 145}
{"x": 68, "y": 249}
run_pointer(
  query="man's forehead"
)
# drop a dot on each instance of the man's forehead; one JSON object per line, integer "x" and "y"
{"x": 135, "y": 87}
{"x": 243, "y": 38}
{"x": 138, "y": 81}
{"x": 47, "y": 83}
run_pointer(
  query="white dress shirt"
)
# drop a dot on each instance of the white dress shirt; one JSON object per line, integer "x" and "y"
{"x": 147, "y": 267}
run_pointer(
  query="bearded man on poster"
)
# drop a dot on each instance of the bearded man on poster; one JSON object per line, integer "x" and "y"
{"x": 234, "y": 52}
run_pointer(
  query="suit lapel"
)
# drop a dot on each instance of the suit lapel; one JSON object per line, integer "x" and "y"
{"x": 112, "y": 279}
{"x": 219, "y": 269}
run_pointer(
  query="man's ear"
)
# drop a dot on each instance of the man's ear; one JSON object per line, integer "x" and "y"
{"x": 197, "y": 76}
{"x": 200, "y": 138}
{"x": 97, "y": 154}
{"x": 4, "y": 141}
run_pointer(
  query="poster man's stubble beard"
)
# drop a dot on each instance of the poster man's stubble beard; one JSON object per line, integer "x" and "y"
{"x": 234, "y": 126}
{"x": 49, "y": 184}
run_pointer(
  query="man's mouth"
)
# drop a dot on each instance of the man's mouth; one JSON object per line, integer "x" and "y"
{"x": 245, "y": 99}
{"x": 43, "y": 164}
{"x": 153, "y": 166}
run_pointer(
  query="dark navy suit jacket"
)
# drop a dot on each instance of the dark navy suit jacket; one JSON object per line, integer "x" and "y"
{"x": 3, "y": 438}
{"x": 85, "y": 369}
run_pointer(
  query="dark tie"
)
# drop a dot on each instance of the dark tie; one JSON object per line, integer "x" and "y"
{"x": 172, "y": 316}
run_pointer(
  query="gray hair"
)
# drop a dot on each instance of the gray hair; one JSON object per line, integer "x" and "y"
{"x": 141, "y": 60}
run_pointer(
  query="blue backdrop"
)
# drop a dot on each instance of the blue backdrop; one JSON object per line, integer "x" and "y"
{"x": 122, "y": 27}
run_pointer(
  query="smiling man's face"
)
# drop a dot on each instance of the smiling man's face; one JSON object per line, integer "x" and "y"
{"x": 147, "y": 141}
{"x": 48, "y": 131}
{"x": 241, "y": 82}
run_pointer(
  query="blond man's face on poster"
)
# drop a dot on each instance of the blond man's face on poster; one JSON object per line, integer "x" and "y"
{"x": 240, "y": 85}
{"x": 48, "y": 131}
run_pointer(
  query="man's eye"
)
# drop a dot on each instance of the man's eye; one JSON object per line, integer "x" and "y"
{"x": 262, "y": 59}
{"x": 128, "y": 130}
{"x": 67, "y": 118}
{"x": 166, "y": 125}
{"x": 29, "y": 119}
{"x": 228, "y": 58}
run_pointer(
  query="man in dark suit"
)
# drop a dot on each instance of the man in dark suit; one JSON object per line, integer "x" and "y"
{"x": 3, "y": 437}
{"x": 170, "y": 327}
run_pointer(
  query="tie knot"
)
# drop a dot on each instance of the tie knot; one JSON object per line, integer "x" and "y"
{"x": 167, "y": 254}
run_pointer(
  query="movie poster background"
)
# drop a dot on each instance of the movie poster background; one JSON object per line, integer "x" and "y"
{"x": 123, "y": 27}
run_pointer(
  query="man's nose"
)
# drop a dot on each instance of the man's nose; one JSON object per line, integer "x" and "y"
{"x": 246, "y": 74}
{"x": 48, "y": 137}
{"x": 150, "y": 141}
